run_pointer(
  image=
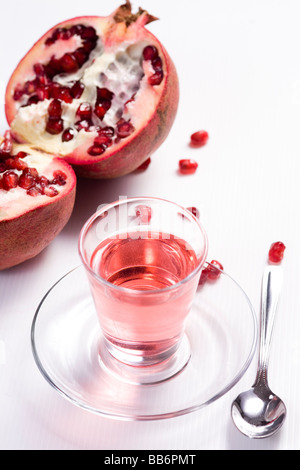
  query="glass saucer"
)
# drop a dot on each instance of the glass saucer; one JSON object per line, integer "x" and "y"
{"x": 67, "y": 345}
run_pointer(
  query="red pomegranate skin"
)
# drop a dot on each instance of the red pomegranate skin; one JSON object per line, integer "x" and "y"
{"x": 129, "y": 153}
{"x": 25, "y": 236}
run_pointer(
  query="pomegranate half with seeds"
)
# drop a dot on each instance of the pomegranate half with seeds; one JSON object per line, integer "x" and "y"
{"x": 101, "y": 92}
{"x": 37, "y": 194}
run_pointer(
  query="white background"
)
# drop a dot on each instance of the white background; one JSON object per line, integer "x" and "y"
{"x": 239, "y": 68}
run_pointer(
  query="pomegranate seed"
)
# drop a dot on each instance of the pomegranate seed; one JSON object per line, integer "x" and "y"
{"x": 49, "y": 42}
{"x": 107, "y": 131}
{"x": 211, "y": 272}
{"x": 10, "y": 180}
{"x": 96, "y": 150}
{"x": 43, "y": 93}
{"x": 104, "y": 94}
{"x": 69, "y": 63}
{"x": 103, "y": 139}
{"x": 214, "y": 270}
{"x": 124, "y": 129}
{"x": 50, "y": 191}
{"x": 144, "y": 213}
{"x": 32, "y": 100}
{"x": 6, "y": 145}
{"x": 68, "y": 134}
{"x": 43, "y": 181}
{"x": 65, "y": 95}
{"x": 39, "y": 69}
{"x": 187, "y": 166}
{"x": 84, "y": 112}
{"x": 83, "y": 125}
{"x": 77, "y": 90}
{"x": 3, "y": 167}
{"x": 77, "y": 29}
{"x": 34, "y": 191}
{"x": 26, "y": 181}
{"x": 58, "y": 33}
{"x": 53, "y": 68}
{"x": 32, "y": 172}
{"x": 55, "y": 109}
{"x": 89, "y": 45}
{"x": 156, "y": 78}
{"x": 81, "y": 56}
{"x": 21, "y": 154}
{"x": 157, "y": 64}
{"x": 88, "y": 33}
{"x": 276, "y": 252}
{"x": 18, "y": 93}
{"x": 194, "y": 211}
{"x": 144, "y": 165}
{"x": 200, "y": 138}
{"x": 16, "y": 163}
{"x": 54, "y": 126}
{"x": 203, "y": 277}
{"x": 102, "y": 108}
{"x": 60, "y": 178}
{"x": 30, "y": 87}
{"x": 150, "y": 53}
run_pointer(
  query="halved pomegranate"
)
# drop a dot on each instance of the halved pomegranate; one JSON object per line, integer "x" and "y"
{"x": 37, "y": 193}
{"x": 101, "y": 92}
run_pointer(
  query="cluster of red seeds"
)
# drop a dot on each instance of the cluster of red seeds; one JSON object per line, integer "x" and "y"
{"x": 151, "y": 53}
{"x": 14, "y": 172}
{"x": 42, "y": 86}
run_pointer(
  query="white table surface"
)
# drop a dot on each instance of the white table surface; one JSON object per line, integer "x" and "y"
{"x": 239, "y": 69}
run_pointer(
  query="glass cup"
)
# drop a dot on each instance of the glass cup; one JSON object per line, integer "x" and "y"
{"x": 143, "y": 258}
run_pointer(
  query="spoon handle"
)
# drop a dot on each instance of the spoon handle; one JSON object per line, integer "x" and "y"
{"x": 271, "y": 288}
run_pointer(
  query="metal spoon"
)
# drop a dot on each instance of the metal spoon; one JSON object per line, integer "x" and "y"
{"x": 258, "y": 413}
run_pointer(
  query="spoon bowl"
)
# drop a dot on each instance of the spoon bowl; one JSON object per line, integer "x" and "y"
{"x": 258, "y": 412}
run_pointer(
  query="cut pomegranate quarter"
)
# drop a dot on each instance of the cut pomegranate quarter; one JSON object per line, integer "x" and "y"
{"x": 37, "y": 193}
{"x": 89, "y": 74}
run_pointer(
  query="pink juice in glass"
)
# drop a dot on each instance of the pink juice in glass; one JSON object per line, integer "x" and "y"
{"x": 151, "y": 279}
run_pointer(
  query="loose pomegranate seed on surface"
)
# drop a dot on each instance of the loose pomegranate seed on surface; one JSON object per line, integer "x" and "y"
{"x": 187, "y": 166}
{"x": 194, "y": 211}
{"x": 144, "y": 165}
{"x": 276, "y": 252}
{"x": 211, "y": 272}
{"x": 199, "y": 138}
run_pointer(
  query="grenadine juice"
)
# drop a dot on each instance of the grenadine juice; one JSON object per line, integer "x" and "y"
{"x": 143, "y": 305}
